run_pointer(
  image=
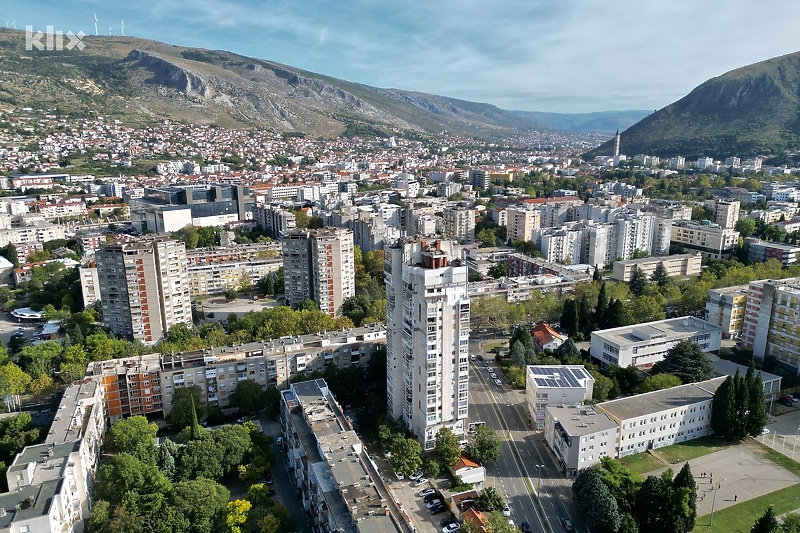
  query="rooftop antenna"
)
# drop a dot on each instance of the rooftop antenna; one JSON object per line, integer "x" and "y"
{"x": 95, "y": 26}
{"x": 123, "y": 28}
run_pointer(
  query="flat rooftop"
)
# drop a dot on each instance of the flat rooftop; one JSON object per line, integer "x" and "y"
{"x": 581, "y": 419}
{"x": 33, "y": 501}
{"x": 655, "y": 259}
{"x": 723, "y": 367}
{"x": 661, "y": 400}
{"x": 559, "y": 376}
{"x": 670, "y": 329}
{"x": 73, "y": 412}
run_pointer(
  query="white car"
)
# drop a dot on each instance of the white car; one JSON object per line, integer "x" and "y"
{"x": 497, "y": 382}
{"x": 426, "y": 492}
{"x": 451, "y": 528}
{"x": 493, "y": 375}
{"x": 433, "y": 503}
{"x": 416, "y": 476}
{"x": 387, "y": 454}
{"x": 489, "y": 369}
{"x": 506, "y": 510}
{"x": 421, "y": 481}
{"x": 765, "y": 431}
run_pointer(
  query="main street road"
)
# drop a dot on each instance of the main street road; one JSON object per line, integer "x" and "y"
{"x": 486, "y": 398}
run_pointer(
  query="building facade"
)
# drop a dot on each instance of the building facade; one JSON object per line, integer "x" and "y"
{"x": 274, "y": 219}
{"x": 427, "y": 311}
{"x": 713, "y": 241}
{"x": 676, "y": 265}
{"x": 459, "y": 224}
{"x": 726, "y": 308}
{"x": 144, "y": 286}
{"x": 643, "y": 345}
{"x": 555, "y": 385}
{"x": 320, "y": 265}
{"x": 579, "y": 436}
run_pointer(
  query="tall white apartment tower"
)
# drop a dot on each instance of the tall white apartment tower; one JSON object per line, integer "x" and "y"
{"x": 320, "y": 265}
{"x": 144, "y": 287}
{"x": 427, "y": 336}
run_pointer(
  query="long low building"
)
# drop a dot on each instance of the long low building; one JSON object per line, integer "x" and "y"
{"x": 145, "y": 384}
{"x": 675, "y": 265}
{"x": 643, "y": 345}
{"x": 580, "y": 436}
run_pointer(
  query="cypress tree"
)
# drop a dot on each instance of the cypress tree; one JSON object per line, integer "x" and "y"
{"x": 741, "y": 404}
{"x": 722, "y": 409}
{"x": 757, "y": 410}
{"x": 685, "y": 504}
{"x": 767, "y": 523}
{"x": 569, "y": 317}
{"x": 600, "y": 319}
{"x": 585, "y": 317}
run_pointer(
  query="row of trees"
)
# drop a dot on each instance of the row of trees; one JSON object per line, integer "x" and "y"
{"x": 613, "y": 499}
{"x": 738, "y": 408}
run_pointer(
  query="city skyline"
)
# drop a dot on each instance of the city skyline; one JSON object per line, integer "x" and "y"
{"x": 535, "y": 56}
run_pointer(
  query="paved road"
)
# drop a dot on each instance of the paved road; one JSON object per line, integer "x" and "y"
{"x": 555, "y": 491}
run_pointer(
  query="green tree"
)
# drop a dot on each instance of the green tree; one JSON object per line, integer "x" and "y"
{"x": 660, "y": 275}
{"x": 201, "y": 457}
{"x": 621, "y": 481}
{"x": 658, "y": 382}
{"x": 601, "y": 309}
{"x": 756, "y": 411}
{"x": 568, "y": 350}
{"x": 740, "y": 406}
{"x": 272, "y": 402}
{"x": 595, "y": 503}
{"x": 766, "y": 523}
{"x": 202, "y": 502}
{"x": 746, "y": 227}
{"x": 489, "y": 500}
{"x": 248, "y": 397}
{"x": 723, "y": 410}
{"x": 687, "y": 361}
{"x": 685, "y": 500}
{"x": 13, "y": 380}
{"x": 189, "y": 235}
{"x": 791, "y": 523}
{"x": 638, "y": 281}
{"x": 517, "y": 354}
{"x": 498, "y": 270}
{"x": 654, "y": 498}
{"x": 235, "y": 441}
{"x": 485, "y": 445}
{"x": 602, "y": 386}
{"x": 569, "y": 317}
{"x": 447, "y": 448}
{"x": 134, "y": 435}
{"x": 187, "y": 403}
{"x": 124, "y": 475}
{"x": 406, "y": 457}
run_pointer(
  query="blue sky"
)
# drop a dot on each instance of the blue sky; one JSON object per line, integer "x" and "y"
{"x": 538, "y": 55}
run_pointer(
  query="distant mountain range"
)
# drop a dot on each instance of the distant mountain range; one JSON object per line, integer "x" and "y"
{"x": 142, "y": 81}
{"x": 748, "y": 111}
{"x": 600, "y": 122}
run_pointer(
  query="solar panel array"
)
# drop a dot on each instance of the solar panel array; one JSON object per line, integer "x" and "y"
{"x": 567, "y": 377}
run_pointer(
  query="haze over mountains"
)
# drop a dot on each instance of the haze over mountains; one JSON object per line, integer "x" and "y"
{"x": 748, "y": 111}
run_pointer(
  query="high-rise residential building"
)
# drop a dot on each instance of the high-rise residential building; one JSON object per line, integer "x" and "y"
{"x": 274, "y": 219}
{"x": 319, "y": 264}
{"x": 479, "y": 179}
{"x": 144, "y": 286}
{"x": 725, "y": 213}
{"x": 711, "y": 240}
{"x": 427, "y": 310}
{"x": 459, "y": 224}
{"x": 770, "y": 321}
{"x": 520, "y": 223}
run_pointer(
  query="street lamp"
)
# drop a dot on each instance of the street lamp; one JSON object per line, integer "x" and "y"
{"x": 713, "y": 503}
{"x": 539, "y": 469}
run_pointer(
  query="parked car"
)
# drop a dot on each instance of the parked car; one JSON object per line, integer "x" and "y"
{"x": 567, "y": 523}
{"x": 525, "y": 527}
{"x": 438, "y": 509}
{"x": 480, "y": 358}
{"x": 387, "y": 454}
{"x": 497, "y": 382}
{"x": 786, "y": 402}
{"x": 451, "y": 528}
{"x": 426, "y": 492}
{"x": 472, "y": 357}
{"x": 446, "y": 521}
{"x": 765, "y": 431}
{"x": 415, "y": 476}
{"x": 506, "y": 510}
{"x": 493, "y": 375}
{"x": 428, "y": 498}
{"x": 433, "y": 503}
{"x": 490, "y": 370}
{"x": 421, "y": 481}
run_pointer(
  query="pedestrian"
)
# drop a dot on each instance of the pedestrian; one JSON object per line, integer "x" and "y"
{"x": 719, "y": 486}
{"x": 711, "y": 474}
{"x": 735, "y": 497}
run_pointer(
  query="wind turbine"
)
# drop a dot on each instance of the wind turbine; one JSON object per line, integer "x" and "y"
{"x": 123, "y": 28}
{"x": 95, "y": 26}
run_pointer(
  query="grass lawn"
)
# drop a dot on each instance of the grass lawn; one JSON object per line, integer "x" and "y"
{"x": 740, "y": 517}
{"x": 641, "y": 463}
{"x": 680, "y": 453}
{"x": 489, "y": 347}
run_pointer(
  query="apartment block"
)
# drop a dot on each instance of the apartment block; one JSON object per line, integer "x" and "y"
{"x": 320, "y": 265}
{"x": 50, "y": 483}
{"x": 676, "y": 265}
{"x": 725, "y": 213}
{"x": 771, "y": 321}
{"x": 274, "y": 219}
{"x": 521, "y": 222}
{"x": 427, "y": 336}
{"x": 726, "y": 308}
{"x": 555, "y": 385}
{"x": 145, "y": 385}
{"x": 480, "y": 179}
{"x": 337, "y": 483}
{"x": 459, "y": 224}
{"x": 90, "y": 284}
{"x": 713, "y": 241}
{"x": 144, "y": 286}
{"x": 761, "y": 251}
{"x": 643, "y": 345}
{"x": 35, "y": 232}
